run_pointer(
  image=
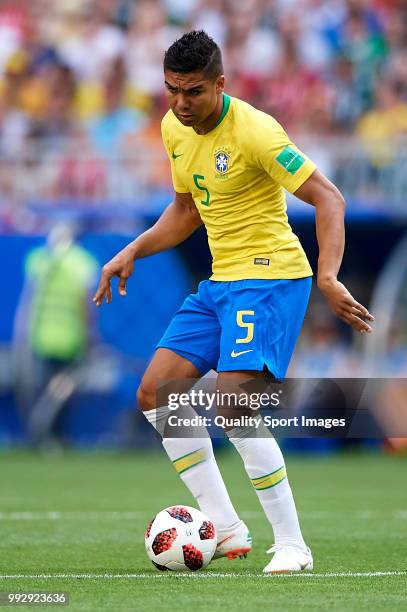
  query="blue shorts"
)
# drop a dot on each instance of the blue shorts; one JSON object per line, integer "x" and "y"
{"x": 240, "y": 325}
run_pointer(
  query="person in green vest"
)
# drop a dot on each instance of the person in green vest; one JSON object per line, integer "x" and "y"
{"x": 53, "y": 328}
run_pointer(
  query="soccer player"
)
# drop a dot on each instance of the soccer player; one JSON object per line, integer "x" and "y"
{"x": 230, "y": 165}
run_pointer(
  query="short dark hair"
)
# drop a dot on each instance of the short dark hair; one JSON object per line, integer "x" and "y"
{"x": 194, "y": 51}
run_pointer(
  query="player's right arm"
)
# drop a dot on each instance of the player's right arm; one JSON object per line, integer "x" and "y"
{"x": 179, "y": 220}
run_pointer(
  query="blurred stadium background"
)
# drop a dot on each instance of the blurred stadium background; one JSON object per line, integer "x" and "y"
{"x": 82, "y": 171}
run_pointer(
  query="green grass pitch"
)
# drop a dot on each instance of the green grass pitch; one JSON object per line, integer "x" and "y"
{"x": 80, "y": 519}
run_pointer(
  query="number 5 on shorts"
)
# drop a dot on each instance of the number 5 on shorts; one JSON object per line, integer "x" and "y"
{"x": 248, "y": 325}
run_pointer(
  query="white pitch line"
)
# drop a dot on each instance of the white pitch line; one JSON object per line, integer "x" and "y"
{"x": 200, "y": 575}
{"x": 135, "y": 515}
{"x": 56, "y": 516}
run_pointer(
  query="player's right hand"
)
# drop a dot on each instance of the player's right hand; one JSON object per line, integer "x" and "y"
{"x": 122, "y": 266}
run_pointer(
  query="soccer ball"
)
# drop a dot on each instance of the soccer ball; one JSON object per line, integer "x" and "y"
{"x": 180, "y": 538}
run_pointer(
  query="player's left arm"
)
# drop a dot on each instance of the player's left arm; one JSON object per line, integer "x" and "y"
{"x": 329, "y": 214}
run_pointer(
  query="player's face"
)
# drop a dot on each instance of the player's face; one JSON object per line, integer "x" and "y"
{"x": 192, "y": 97}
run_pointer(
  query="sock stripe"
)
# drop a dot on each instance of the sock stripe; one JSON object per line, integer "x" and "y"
{"x": 269, "y": 480}
{"x": 190, "y": 460}
{"x": 269, "y": 474}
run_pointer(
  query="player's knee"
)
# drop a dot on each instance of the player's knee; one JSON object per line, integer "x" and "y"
{"x": 146, "y": 396}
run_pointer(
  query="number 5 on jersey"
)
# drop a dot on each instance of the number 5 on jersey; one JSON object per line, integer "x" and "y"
{"x": 248, "y": 325}
{"x": 197, "y": 178}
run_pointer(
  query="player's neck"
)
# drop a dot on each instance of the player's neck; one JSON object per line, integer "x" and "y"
{"x": 210, "y": 122}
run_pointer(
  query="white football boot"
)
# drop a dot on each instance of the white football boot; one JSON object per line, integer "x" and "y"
{"x": 289, "y": 559}
{"x": 233, "y": 542}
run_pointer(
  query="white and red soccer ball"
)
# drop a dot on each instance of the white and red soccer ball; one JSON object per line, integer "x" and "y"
{"x": 180, "y": 538}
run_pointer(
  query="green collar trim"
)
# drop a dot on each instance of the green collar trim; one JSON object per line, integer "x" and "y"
{"x": 226, "y": 104}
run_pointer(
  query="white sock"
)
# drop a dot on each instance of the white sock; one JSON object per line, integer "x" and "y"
{"x": 195, "y": 462}
{"x": 265, "y": 466}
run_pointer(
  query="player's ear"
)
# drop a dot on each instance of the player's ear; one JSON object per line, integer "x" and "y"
{"x": 220, "y": 84}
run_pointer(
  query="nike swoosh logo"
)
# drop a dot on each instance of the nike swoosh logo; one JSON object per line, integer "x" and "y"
{"x": 234, "y": 354}
{"x": 225, "y": 540}
{"x": 174, "y": 155}
{"x": 304, "y": 565}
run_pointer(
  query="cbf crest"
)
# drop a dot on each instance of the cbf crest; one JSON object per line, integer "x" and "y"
{"x": 222, "y": 160}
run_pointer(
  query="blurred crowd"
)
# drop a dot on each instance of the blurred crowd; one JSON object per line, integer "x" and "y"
{"x": 81, "y": 91}
{"x": 94, "y": 67}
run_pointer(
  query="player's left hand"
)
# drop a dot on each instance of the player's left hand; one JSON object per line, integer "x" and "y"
{"x": 345, "y": 306}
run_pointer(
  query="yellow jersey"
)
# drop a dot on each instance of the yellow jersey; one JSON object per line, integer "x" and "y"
{"x": 237, "y": 174}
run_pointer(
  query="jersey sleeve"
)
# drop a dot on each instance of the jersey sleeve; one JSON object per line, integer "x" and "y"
{"x": 178, "y": 185}
{"x": 273, "y": 151}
